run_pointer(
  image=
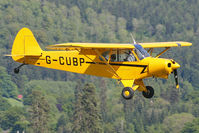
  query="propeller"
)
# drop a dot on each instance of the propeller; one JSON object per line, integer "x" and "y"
{"x": 176, "y": 77}
{"x": 134, "y": 42}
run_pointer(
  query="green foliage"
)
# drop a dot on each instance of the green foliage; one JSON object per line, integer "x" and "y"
{"x": 7, "y": 87}
{"x": 39, "y": 112}
{"x": 61, "y": 124}
{"x": 175, "y": 122}
{"x": 59, "y": 21}
{"x": 194, "y": 96}
{"x": 4, "y": 104}
{"x": 15, "y": 102}
{"x": 86, "y": 114}
{"x": 191, "y": 127}
{"x": 20, "y": 126}
{"x": 12, "y": 118}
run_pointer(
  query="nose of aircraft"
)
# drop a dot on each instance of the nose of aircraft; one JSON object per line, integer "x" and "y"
{"x": 171, "y": 66}
{"x": 162, "y": 67}
{"x": 175, "y": 65}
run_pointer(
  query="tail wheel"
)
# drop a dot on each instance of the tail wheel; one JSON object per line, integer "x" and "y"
{"x": 16, "y": 70}
{"x": 149, "y": 93}
{"x": 127, "y": 93}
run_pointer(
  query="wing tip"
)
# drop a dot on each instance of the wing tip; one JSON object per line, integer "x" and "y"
{"x": 186, "y": 43}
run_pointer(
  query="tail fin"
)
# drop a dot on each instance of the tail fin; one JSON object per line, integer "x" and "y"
{"x": 25, "y": 44}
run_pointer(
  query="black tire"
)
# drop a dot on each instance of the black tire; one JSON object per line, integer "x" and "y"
{"x": 149, "y": 93}
{"x": 16, "y": 70}
{"x": 128, "y": 90}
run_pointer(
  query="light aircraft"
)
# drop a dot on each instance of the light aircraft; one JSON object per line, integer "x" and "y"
{"x": 128, "y": 63}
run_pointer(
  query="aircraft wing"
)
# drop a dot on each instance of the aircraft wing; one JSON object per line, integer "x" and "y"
{"x": 72, "y": 46}
{"x": 165, "y": 44}
{"x": 68, "y": 46}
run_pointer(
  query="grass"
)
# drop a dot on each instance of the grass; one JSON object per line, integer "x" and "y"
{"x": 14, "y": 102}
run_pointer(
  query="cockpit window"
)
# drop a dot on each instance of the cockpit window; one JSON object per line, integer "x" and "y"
{"x": 105, "y": 55}
{"x": 125, "y": 55}
{"x": 130, "y": 56}
{"x": 141, "y": 52}
{"x": 122, "y": 56}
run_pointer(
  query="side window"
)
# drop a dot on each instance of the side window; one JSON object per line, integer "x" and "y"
{"x": 130, "y": 57}
{"x": 113, "y": 58}
{"x": 105, "y": 55}
{"x": 122, "y": 56}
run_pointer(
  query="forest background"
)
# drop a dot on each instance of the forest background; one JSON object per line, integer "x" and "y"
{"x": 63, "y": 102}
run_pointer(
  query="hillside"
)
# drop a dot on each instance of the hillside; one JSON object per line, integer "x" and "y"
{"x": 60, "y": 93}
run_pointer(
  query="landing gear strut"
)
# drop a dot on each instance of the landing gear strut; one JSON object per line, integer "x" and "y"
{"x": 149, "y": 93}
{"x": 16, "y": 70}
{"x": 127, "y": 93}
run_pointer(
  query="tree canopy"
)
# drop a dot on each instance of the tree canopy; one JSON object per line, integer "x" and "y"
{"x": 63, "y": 99}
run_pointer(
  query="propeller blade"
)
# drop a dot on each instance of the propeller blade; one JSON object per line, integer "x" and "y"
{"x": 134, "y": 42}
{"x": 176, "y": 78}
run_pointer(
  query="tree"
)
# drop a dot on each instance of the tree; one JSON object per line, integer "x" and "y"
{"x": 12, "y": 117}
{"x": 175, "y": 122}
{"x": 86, "y": 114}
{"x": 191, "y": 127}
{"x": 39, "y": 112}
{"x": 61, "y": 124}
{"x": 20, "y": 125}
{"x": 4, "y": 104}
{"x": 103, "y": 99}
{"x": 78, "y": 110}
{"x": 7, "y": 87}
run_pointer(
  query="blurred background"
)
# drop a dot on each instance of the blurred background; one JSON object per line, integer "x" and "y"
{"x": 39, "y": 100}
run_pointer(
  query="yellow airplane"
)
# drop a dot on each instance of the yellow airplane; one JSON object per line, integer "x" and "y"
{"x": 128, "y": 63}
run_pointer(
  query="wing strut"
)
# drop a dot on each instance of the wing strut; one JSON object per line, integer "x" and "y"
{"x": 107, "y": 63}
{"x": 162, "y": 52}
{"x": 151, "y": 51}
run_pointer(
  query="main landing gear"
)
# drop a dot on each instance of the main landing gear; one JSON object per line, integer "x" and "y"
{"x": 128, "y": 92}
{"x": 149, "y": 93}
{"x": 17, "y": 69}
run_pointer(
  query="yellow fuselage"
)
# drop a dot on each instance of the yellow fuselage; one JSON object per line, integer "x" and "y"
{"x": 77, "y": 62}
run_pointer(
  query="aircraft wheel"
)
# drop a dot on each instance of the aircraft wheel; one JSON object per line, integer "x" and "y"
{"x": 16, "y": 70}
{"x": 127, "y": 93}
{"x": 149, "y": 93}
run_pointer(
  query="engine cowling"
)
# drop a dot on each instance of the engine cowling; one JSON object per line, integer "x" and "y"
{"x": 159, "y": 67}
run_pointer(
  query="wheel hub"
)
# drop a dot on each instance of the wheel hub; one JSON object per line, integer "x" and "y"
{"x": 126, "y": 93}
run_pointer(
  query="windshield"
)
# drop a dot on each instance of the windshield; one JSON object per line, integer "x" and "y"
{"x": 141, "y": 52}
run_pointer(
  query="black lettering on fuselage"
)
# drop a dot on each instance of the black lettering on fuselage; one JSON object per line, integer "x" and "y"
{"x": 61, "y": 60}
{"x": 75, "y": 63}
{"x": 81, "y": 60}
{"x": 68, "y": 60}
{"x": 48, "y": 60}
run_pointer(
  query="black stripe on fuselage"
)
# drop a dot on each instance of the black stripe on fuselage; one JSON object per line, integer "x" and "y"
{"x": 115, "y": 64}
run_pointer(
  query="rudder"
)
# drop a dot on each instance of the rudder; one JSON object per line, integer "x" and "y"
{"x": 25, "y": 44}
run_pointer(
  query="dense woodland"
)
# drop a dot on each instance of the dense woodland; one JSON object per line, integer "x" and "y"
{"x": 62, "y": 102}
